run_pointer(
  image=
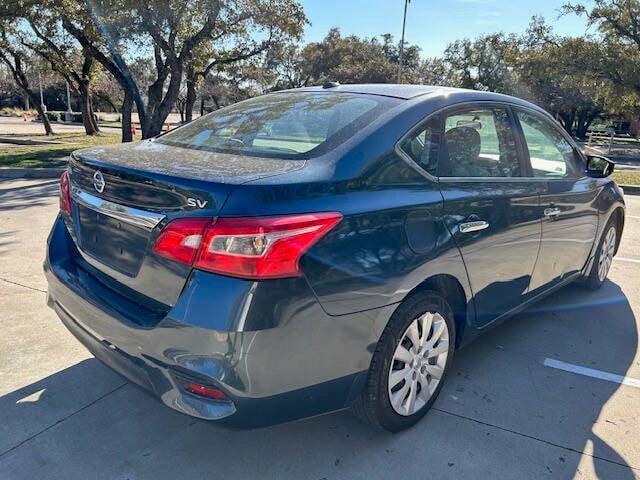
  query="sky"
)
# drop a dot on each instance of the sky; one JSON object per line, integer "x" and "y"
{"x": 432, "y": 24}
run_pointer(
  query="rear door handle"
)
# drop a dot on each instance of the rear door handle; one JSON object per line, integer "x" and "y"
{"x": 551, "y": 212}
{"x": 474, "y": 226}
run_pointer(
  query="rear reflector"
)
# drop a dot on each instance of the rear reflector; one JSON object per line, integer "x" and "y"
{"x": 206, "y": 391}
{"x": 252, "y": 247}
{"x": 65, "y": 193}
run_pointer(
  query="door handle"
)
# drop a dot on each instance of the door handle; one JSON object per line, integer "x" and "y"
{"x": 474, "y": 226}
{"x": 551, "y": 212}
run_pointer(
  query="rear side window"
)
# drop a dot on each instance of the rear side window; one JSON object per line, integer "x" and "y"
{"x": 423, "y": 147}
{"x": 479, "y": 143}
{"x": 550, "y": 153}
{"x": 283, "y": 125}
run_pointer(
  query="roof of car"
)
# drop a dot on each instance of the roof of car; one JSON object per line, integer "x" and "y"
{"x": 386, "y": 89}
{"x": 407, "y": 91}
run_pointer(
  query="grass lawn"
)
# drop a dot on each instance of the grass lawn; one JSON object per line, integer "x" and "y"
{"x": 50, "y": 155}
{"x": 626, "y": 178}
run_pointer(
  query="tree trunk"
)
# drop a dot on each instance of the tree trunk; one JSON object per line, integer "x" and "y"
{"x": 93, "y": 116}
{"x": 567, "y": 120}
{"x": 201, "y": 106}
{"x": 85, "y": 108}
{"x": 584, "y": 122}
{"x": 191, "y": 98}
{"x": 18, "y": 74}
{"x": 45, "y": 120}
{"x": 159, "y": 115}
{"x": 127, "y": 106}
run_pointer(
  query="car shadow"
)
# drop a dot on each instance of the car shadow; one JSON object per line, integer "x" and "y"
{"x": 502, "y": 413}
{"x": 501, "y": 379}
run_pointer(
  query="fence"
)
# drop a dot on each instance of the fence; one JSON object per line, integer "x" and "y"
{"x": 602, "y": 138}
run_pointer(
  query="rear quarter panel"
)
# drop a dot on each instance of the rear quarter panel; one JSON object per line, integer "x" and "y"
{"x": 391, "y": 239}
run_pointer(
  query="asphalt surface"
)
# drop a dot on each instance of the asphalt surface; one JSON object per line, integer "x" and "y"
{"x": 503, "y": 413}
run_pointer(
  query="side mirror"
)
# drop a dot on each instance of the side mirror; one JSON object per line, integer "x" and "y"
{"x": 599, "y": 167}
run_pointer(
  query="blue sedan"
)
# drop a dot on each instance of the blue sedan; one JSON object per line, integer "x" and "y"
{"x": 324, "y": 248}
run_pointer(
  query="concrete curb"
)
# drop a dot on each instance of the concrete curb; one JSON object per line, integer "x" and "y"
{"x": 10, "y": 172}
{"x": 28, "y": 141}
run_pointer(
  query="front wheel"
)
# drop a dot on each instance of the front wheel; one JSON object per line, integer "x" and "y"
{"x": 409, "y": 364}
{"x": 604, "y": 257}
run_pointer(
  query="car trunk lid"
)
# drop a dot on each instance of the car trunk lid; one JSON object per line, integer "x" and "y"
{"x": 124, "y": 195}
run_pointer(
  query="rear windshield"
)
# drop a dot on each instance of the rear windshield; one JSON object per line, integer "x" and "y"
{"x": 282, "y": 125}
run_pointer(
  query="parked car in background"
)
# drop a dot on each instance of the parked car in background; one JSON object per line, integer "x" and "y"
{"x": 322, "y": 248}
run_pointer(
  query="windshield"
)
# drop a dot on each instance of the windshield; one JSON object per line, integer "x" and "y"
{"x": 283, "y": 125}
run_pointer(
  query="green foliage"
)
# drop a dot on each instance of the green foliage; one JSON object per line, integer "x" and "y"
{"x": 346, "y": 59}
{"x": 618, "y": 22}
{"x": 164, "y": 55}
{"x": 482, "y": 64}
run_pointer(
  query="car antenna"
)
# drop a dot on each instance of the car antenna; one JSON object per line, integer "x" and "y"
{"x": 330, "y": 84}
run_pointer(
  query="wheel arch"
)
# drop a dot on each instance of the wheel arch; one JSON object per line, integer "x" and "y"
{"x": 618, "y": 216}
{"x": 452, "y": 290}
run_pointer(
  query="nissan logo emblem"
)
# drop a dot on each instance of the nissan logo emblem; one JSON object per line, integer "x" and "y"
{"x": 98, "y": 181}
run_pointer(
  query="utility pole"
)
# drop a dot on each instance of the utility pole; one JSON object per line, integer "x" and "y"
{"x": 404, "y": 21}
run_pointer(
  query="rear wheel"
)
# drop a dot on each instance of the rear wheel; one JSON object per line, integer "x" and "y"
{"x": 410, "y": 363}
{"x": 604, "y": 257}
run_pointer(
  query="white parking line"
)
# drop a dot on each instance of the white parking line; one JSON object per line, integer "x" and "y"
{"x": 590, "y": 372}
{"x": 625, "y": 259}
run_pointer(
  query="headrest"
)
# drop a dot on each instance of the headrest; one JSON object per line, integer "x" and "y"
{"x": 463, "y": 144}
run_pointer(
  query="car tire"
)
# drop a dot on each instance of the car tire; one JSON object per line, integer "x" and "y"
{"x": 385, "y": 401}
{"x": 603, "y": 258}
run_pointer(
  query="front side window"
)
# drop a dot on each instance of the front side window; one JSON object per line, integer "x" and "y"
{"x": 479, "y": 142}
{"x": 282, "y": 125}
{"x": 550, "y": 153}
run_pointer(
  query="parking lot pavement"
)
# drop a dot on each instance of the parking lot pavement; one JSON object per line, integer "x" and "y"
{"x": 502, "y": 414}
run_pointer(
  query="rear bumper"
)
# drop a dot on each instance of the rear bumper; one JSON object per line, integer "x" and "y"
{"x": 269, "y": 346}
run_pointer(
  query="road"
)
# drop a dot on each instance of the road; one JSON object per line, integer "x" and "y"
{"x": 507, "y": 411}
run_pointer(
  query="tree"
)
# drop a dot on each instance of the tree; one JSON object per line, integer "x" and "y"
{"x": 173, "y": 32}
{"x": 437, "y": 71}
{"x": 481, "y": 64}
{"x": 561, "y": 74}
{"x": 249, "y": 41}
{"x": 619, "y": 24}
{"x": 17, "y": 61}
{"x": 353, "y": 59}
{"x": 558, "y": 79}
{"x": 77, "y": 67}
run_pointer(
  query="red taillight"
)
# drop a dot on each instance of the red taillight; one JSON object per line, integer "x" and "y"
{"x": 65, "y": 193}
{"x": 181, "y": 239}
{"x": 252, "y": 247}
{"x": 206, "y": 391}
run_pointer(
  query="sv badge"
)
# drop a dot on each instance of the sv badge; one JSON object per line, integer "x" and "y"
{"x": 196, "y": 202}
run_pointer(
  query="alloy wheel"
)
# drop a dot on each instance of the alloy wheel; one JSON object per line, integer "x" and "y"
{"x": 418, "y": 363}
{"x": 606, "y": 253}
